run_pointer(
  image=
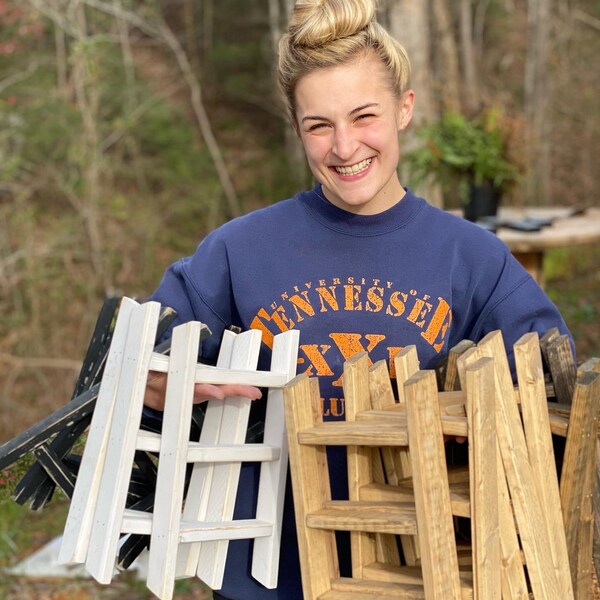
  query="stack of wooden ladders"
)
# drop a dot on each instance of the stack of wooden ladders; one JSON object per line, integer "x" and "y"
{"x": 528, "y": 534}
{"x": 186, "y": 538}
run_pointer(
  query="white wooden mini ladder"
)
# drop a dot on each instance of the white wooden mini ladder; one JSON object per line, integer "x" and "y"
{"x": 192, "y": 538}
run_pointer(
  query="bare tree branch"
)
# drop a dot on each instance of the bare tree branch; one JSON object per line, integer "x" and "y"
{"x": 583, "y": 17}
{"x": 55, "y": 16}
{"x": 40, "y": 362}
{"x": 164, "y": 34}
{"x": 18, "y": 77}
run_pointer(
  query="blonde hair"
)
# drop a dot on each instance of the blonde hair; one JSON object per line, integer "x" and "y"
{"x": 326, "y": 33}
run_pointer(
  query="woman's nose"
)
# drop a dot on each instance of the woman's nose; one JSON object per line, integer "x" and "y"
{"x": 344, "y": 143}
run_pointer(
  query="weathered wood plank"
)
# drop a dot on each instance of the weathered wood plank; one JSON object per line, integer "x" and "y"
{"x": 576, "y": 483}
{"x": 534, "y": 410}
{"x": 406, "y": 364}
{"x": 512, "y": 573}
{"x": 310, "y": 481}
{"x": 483, "y": 471}
{"x": 56, "y": 469}
{"x": 383, "y": 464}
{"x": 532, "y": 526}
{"x": 452, "y": 380}
{"x": 355, "y": 381}
{"x": 432, "y": 496}
{"x": 561, "y": 363}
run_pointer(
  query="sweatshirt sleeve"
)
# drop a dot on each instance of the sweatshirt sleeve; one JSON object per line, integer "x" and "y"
{"x": 519, "y": 306}
{"x": 198, "y": 288}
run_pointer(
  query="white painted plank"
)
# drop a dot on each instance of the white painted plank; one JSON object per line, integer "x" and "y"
{"x": 271, "y": 490}
{"x": 199, "y": 487}
{"x": 120, "y": 451}
{"x": 138, "y": 522}
{"x": 223, "y": 489}
{"x": 74, "y": 545}
{"x": 197, "y": 452}
{"x": 240, "y": 529}
{"x": 172, "y": 461}
{"x": 220, "y": 376}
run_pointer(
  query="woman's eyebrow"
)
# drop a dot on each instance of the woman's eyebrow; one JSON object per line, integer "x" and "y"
{"x": 352, "y": 112}
{"x": 362, "y": 107}
{"x": 314, "y": 118}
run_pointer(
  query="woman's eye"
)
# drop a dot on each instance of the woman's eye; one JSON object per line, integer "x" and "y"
{"x": 317, "y": 126}
{"x": 364, "y": 117}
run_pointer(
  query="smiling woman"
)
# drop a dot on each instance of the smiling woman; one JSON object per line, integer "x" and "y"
{"x": 358, "y": 263}
{"x": 350, "y": 136}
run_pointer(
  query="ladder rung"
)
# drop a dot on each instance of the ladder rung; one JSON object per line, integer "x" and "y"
{"x": 358, "y": 433}
{"x": 226, "y": 530}
{"x": 138, "y": 522}
{"x": 396, "y": 585}
{"x": 150, "y": 442}
{"x": 219, "y": 375}
{"x": 451, "y": 424}
{"x": 365, "y": 589}
{"x": 382, "y": 492}
{"x": 375, "y": 517}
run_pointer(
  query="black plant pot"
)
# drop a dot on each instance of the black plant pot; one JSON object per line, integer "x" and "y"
{"x": 483, "y": 201}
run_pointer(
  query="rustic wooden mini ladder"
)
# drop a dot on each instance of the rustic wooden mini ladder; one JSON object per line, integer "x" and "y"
{"x": 521, "y": 542}
{"x": 188, "y": 536}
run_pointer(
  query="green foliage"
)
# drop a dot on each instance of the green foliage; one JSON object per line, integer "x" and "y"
{"x": 457, "y": 149}
{"x": 171, "y": 149}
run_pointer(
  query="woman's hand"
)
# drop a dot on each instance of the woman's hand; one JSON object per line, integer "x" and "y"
{"x": 157, "y": 386}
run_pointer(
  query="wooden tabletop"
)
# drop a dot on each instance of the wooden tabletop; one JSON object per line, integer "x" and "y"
{"x": 567, "y": 229}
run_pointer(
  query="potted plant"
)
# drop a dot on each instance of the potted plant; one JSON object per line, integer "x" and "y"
{"x": 469, "y": 158}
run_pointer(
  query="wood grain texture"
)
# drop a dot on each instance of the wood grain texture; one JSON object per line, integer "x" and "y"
{"x": 576, "y": 481}
{"x": 310, "y": 480}
{"x": 483, "y": 469}
{"x": 432, "y": 495}
{"x": 527, "y": 505}
{"x": 536, "y": 422}
{"x": 355, "y": 381}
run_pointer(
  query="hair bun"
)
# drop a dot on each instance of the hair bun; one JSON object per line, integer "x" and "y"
{"x": 315, "y": 23}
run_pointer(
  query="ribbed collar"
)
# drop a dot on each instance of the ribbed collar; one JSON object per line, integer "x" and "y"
{"x": 348, "y": 223}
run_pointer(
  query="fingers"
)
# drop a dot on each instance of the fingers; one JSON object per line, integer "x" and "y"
{"x": 157, "y": 383}
{"x": 457, "y": 438}
{"x": 154, "y": 397}
{"x": 204, "y": 392}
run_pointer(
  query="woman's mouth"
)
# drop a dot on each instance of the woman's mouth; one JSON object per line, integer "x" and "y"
{"x": 363, "y": 165}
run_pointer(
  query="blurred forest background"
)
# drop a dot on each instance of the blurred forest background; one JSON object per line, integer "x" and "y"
{"x": 129, "y": 128}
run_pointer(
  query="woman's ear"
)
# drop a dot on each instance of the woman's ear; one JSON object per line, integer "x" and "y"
{"x": 406, "y": 105}
{"x": 295, "y": 127}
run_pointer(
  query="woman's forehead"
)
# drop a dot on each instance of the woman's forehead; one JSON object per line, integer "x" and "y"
{"x": 343, "y": 87}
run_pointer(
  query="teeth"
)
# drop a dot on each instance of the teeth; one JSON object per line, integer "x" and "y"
{"x": 354, "y": 169}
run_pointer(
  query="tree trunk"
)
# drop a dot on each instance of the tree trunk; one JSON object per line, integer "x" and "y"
{"x": 447, "y": 57}
{"x": 191, "y": 42}
{"x": 469, "y": 60}
{"x": 208, "y": 17}
{"x": 409, "y": 24}
{"x": 279, "y": 15}
{"x": 537, "y": 94}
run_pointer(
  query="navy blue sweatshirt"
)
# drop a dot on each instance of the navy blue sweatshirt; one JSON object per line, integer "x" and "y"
{"x": 413, "y": 274}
